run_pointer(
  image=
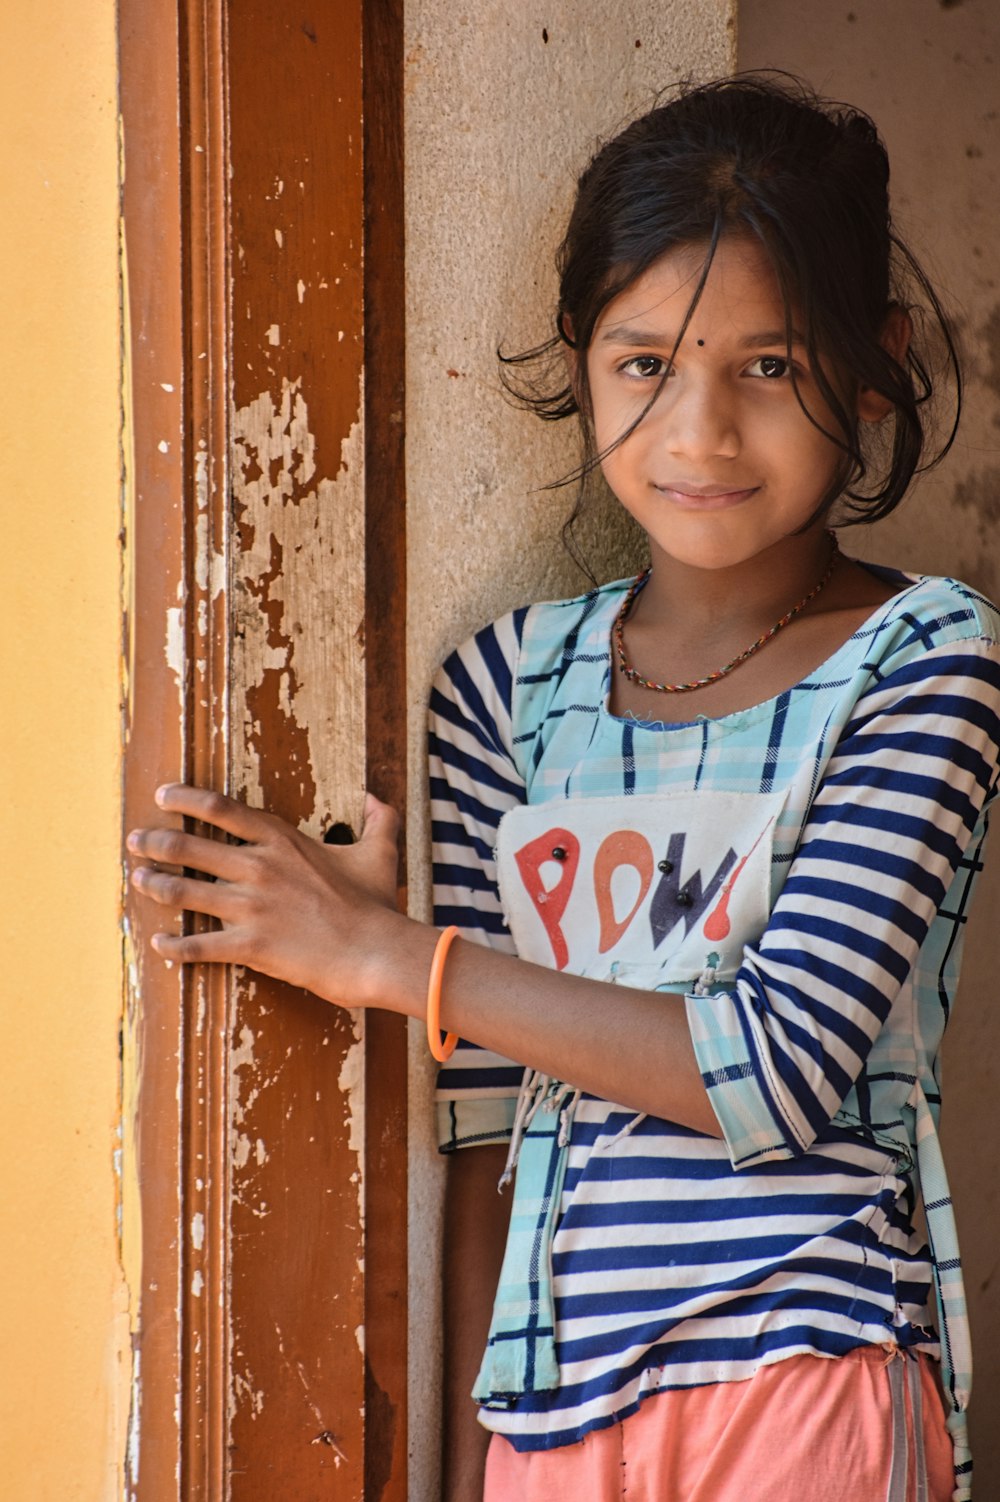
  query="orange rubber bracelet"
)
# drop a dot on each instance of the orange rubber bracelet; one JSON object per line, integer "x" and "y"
{"x": 441, "y": 1051}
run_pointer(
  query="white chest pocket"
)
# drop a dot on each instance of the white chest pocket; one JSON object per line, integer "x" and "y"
{"x": 656, "y": 887}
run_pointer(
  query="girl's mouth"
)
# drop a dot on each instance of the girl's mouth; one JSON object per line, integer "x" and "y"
{"x": 705, "y": 497}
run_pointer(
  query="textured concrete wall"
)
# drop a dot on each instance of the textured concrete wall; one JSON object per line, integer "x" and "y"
{"x": 927, "y": 71}
{"x": 504, "y": 105}
{"x": 63, "y": 1315}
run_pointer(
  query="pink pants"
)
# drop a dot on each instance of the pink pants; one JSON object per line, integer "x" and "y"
{"x": 867, "y": 1427}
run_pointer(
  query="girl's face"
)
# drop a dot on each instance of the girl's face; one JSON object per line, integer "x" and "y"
{"x": 725, "y": 464}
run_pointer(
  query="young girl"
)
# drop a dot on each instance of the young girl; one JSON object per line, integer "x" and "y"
{"x": 712, "y": 834}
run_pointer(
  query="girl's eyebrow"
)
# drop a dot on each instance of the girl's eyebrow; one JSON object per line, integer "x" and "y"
{"x": 623, "y": 333}
{"x": 774, "y": 336}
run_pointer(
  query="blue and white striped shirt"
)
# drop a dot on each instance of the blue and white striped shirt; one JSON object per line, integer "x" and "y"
{"x": 644, "y": 1255}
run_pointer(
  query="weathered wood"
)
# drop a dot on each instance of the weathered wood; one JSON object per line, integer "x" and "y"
{"x": 205, "y": 1223}
{"x": 155, "y": 704}
{"x": 266, "y": 655}
{"x": 385, "y": 639}
{"x": 297, "y": 732}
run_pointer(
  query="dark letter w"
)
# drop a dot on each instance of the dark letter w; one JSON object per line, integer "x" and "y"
{"x": 668, "y": 907}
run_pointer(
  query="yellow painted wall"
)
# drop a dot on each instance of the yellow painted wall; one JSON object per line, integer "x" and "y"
{"x": 63, "y": 1331}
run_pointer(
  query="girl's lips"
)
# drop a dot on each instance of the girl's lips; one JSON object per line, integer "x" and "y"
{"x": 705, "y": 498}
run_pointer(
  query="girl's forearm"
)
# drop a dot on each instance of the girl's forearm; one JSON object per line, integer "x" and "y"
{"x": 631, "y": 1047}
{"x": 322, "y": 917}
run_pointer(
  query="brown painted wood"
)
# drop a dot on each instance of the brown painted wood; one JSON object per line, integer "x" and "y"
{"x": 205, "y": 1223}
{"x": 154, "y": 721}
{"x": 297, "y": 734}
{"x": 385, "y": 641}
{"x": 175, "y": 651}
{"x": 265, "y": 656}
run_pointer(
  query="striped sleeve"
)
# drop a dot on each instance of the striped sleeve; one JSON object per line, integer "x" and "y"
{"x": 902, "y": 799}
{"x": 473, "y": 782}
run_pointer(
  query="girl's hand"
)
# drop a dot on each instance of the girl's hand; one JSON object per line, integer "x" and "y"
{"x": 287, "y": 905}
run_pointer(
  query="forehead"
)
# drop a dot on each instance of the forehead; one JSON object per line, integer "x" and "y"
{"x": 740, "y": 294}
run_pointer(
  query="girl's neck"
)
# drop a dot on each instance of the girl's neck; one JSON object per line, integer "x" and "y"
{"x": 746, "y": 597}
{"x": 689, "y": 622}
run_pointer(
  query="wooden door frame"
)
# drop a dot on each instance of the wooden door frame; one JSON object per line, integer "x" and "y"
{"x": 178, "y": 210}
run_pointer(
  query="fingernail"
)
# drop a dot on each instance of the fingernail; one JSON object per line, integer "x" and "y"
{"x": 160, "y": 795}
{"x": 132, "y": 840}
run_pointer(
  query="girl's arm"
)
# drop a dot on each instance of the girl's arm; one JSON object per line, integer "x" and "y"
{"x": 322, "y": 917}
{"x": 777, "y": 1052}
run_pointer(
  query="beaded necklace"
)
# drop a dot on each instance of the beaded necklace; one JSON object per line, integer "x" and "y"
{"x": 624, "y": 666}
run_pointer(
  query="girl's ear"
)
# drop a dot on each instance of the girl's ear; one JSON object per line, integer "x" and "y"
{"x": 897, "y": 331}
{"x": 571, "y": 355}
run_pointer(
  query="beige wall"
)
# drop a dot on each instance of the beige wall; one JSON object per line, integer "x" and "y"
{"x": 63, "y": 1327}
{"x": 498, "y": 122}
{"x": 929, "y": 74}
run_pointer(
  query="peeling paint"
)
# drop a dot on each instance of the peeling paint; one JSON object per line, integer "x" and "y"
{"x": 175, "y": 644}
{"x": 241, "y": 1057}
{"x": 298, "y": 595}
{"x": 244, "y": 1391}
{"x": 298, "y": 746}
{"x": 209, "y": 563}
{"x": 201, "y": 476}
{"x": 134, "y": 1420}
{"x": 351, "y": 1082}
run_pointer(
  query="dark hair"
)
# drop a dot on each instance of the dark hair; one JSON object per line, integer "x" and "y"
{"x": 761, "y": 156}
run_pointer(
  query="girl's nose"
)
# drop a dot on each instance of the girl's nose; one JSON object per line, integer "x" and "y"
{"x": 699, "y": 420}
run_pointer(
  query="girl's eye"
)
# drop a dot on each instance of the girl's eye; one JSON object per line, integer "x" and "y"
{"x": 771, "y": 366}
{"x": 646, "y": 367}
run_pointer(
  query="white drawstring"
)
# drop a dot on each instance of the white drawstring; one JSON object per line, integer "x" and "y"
{"x": 566, "y": 1118}
{"x": 533, "y": 1096}
{"x": 625, "y": 1131}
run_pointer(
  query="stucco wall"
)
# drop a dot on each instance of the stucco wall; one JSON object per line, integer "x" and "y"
{"x": 504, "y": 106}
{"x": 927, "y": 71}
{"x": 63, "y": 1328}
